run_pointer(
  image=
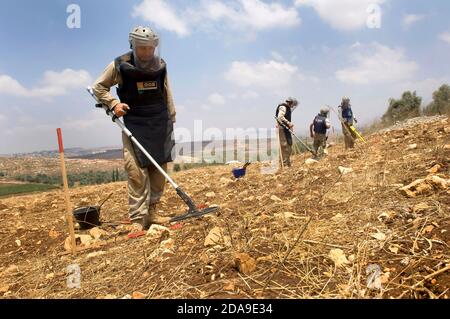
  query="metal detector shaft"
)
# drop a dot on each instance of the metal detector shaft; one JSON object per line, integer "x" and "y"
{"x": 282, "y": 124}
{"x": 130, "y": 135}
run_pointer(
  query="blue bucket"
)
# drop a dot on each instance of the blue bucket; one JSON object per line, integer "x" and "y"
{"x": 238, "y": 172}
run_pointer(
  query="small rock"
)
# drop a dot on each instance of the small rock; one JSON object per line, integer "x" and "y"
{"x": 157, "y": 232}
{"x": 264, "y": 258}
{"x": 427, "y": 229}
{"x": 244, "y": 263}
{"x": 216, "y": 236}
{"x": 138, "y": 295}
{"x": 337, "y": 217}
{"x": 80, "y": 240}
{"x": 4, "y": 288}
{"x": 95, "y": 254}
{"x": 13, "y": 269}
{"x": 384, "y": 278}
{"x": 311, "y": 161}
{"x": 387, "y": 216}
{"x": 412, "y": 146}
{"x": 393, "y": 249}
{"x": 53, "y": 234}
{"x": 97, "y": 233}
{"x": 275, "y": 198}
{"x": 338, "y": 257}
{"x": 229, "y": 286}
{"x": 434, "y": 169}
{"x": 204, "y": 258}
{"x": 285, "y": 215}
{"x": 84, "y": 201}
{"x": 416, "y": 188}
{"x": 379, "y": 236}
{"x": 50, "y": 276}
{"x": 168, "y": 244}
{"x": 345, "y": 170}
{"x": 210, "y": 194}
{"x": 405, "y": 261}
{"x": 18, "y": 243}
{"x": 438, "y": 181}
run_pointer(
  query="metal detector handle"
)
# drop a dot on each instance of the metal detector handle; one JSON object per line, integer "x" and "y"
{"x": 128, "y": 133}
{"x": 107, "y": 109}
{"x": 282, "y": 124}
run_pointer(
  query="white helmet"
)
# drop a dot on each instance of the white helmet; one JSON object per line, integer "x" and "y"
{"x": 324, "y": 111}
{"x": 146, "y": 37}
{"x": 143, "y": 36}
{"x": 292, "y": 100}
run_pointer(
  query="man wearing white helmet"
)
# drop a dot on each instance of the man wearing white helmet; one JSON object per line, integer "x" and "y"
{"x": 148, "y": 109}
{"x": 284, "y": 115}
{"x": 347, "y": 119}
{"x": 318, "y": 130}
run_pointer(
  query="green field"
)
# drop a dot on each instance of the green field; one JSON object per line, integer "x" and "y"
{"x": 12, "y": 189}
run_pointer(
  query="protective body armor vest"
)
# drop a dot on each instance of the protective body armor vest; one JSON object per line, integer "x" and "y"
{"x": 148, "y": 118}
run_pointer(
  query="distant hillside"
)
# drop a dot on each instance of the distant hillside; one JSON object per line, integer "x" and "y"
{"x": 108, "y": 155}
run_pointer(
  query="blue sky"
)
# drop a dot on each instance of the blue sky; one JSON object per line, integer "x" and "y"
{"x": 230, "y": 62}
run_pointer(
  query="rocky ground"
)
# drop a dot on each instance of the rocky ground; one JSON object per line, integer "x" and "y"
{"x": 371, "y": 223}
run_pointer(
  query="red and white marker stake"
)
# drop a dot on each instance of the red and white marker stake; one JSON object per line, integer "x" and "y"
{"x": 69, "y": 216}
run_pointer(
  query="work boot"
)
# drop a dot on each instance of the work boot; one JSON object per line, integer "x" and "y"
{"x": 154, "y": 218}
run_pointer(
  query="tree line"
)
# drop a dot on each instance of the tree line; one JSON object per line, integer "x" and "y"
{"x": 410, "y": 105}
{"x": 84, "y": 178}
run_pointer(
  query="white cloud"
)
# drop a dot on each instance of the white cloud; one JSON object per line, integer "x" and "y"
{"x": 216, "y": 99}
{"x": 52, "y": 84}
{"x": 445, "y": 37}
{"x": 248, "y": 15}
{"x": 249, "y": 95}
{"x": 377, "y": 64}
{"x": 264, "y": 74}
{"x": 409, "y": 19}
{"x": 342, "y": 14}
{"x": 162, "y": 15}
{"x": 10, "y": 86}
{"x": 277, "y": 56}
